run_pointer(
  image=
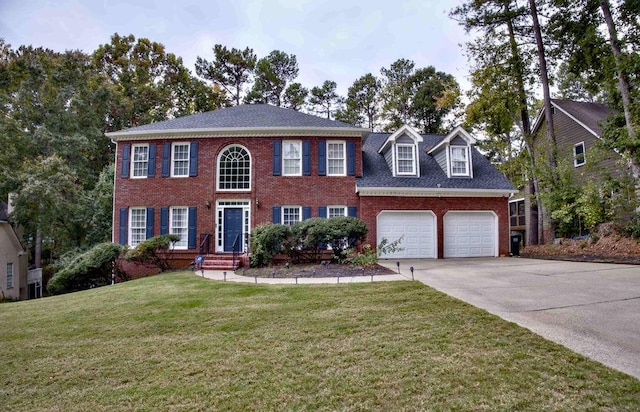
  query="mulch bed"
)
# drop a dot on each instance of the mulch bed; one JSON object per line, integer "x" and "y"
{"x": 314, "y": 271}
{"x": 627, "y": 260}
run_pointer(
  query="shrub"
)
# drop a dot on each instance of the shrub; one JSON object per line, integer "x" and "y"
{"x": 154, "y": 250}
{"x": 89, "y": 269}
{"x": 344, "y": 233}
{"x": 267, "y": 240}
{"x": 311, "y": 238}
{"x": 632, "y": 227}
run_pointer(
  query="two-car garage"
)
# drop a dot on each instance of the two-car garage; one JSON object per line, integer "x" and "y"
{"x": 465, "y": 233}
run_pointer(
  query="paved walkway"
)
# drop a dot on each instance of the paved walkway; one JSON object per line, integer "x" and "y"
{"x": 230, "y": 276}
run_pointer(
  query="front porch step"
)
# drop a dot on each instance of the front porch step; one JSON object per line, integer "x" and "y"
{"x": 221, "y": 262}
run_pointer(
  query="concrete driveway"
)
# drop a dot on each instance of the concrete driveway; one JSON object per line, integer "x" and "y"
{"x": 591, "y": 308}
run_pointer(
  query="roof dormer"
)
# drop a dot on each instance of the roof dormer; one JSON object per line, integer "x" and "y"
{"x": 453, "y": 153}
{"x": 401, "y": 152}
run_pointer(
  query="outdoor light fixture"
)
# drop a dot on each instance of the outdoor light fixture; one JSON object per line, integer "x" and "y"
{"x": 257, "y": 203}
{"x": 411, "y": 269}
{"x": 398, "y": 264}
{"x": 208, "y": 204}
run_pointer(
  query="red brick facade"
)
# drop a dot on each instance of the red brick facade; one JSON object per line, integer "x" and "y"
{"x": 371, "y": 206}
{"x": 201, "y": 191}
{"x": 268, "y": 190}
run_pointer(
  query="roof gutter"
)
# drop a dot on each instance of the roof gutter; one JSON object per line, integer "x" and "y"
{"x": 432, "y": 192}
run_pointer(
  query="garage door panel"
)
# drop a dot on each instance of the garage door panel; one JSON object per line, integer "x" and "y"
{"x": 469, "y": 234}
{"x": 417, "y": 230}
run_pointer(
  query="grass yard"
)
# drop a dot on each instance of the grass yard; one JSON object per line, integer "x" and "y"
{"x": 180, "y": 342}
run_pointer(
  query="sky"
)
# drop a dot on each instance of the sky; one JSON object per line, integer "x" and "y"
{"x": 339, "y": 40}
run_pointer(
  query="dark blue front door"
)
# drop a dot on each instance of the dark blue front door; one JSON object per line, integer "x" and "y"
{"x": 232, "y": 228}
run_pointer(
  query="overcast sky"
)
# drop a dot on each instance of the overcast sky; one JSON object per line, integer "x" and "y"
{"x": 339, "y": 40}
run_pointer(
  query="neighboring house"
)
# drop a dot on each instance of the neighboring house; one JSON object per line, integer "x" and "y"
{"x": 212, "y": 177}
{"x": 13, "y": 261}
{"x": 578, "y": 127}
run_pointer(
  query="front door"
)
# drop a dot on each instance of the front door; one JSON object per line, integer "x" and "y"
{"x": 232, "y": 228}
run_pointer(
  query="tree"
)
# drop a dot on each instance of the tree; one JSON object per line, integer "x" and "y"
{"x": 144, "y": 83}
{"x": 499, "y": 55}
{"x": 324, "y": 99}
{"x": 396, "y": 93}
{"x": 272, "y": 75}
{"x": 295, "y": 96}
{"x": 435, "y": 94}
{"x": 231, "y": 69}
{"x": 362, "y": 106}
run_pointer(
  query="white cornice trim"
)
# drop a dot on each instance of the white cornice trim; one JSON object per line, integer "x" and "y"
{"x": 238, "y": 132}
{"x": 432, "y": 192}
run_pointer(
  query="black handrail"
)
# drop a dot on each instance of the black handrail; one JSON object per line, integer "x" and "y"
{"x": 205, "y": 239}
{"x": 236, "y": 250}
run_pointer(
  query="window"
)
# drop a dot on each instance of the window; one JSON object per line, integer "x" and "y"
{"x": 140, "y": 160}
{"x": 579, "y": 158}
{"x": 336, "y": 211}
{"x": 9, "y": 275}
{"x": 336, "y": 159}
{"x": 291, "y": 215}
{"x": 234, "y": 169}
{"x": 405, "y": 159}
{"x": 459, "y": 161}
{"x": 516, "y": 213}
{"x": 178, "y": 225}
{"x": 180, "y": 160}
{"x": 137, "y": 226}
{"x": 292, "y": 158}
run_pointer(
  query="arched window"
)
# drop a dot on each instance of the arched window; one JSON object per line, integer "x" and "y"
{"x": 234, "y": 169}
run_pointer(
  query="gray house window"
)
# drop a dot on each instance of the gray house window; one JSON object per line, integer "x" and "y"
{"x": 579, "y": 158}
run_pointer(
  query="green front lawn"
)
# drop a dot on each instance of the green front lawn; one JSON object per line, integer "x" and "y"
{"x": 180, "y": 342}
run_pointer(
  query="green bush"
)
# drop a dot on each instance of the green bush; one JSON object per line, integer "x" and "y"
{"x": 87, "y": 270}
{"x": 632, "y": 227}
{"x": 155, "y": 251}
{"x": 306, "y": 240}
{"x": 267, "y": 240}
{"x": 344, "y": 233}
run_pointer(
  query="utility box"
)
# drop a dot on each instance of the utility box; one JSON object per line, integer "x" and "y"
{"x": 515, "y": 245}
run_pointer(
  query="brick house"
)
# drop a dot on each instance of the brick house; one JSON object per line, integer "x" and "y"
{"x": 212, "y": 177}
{"x": 578, "y": 128}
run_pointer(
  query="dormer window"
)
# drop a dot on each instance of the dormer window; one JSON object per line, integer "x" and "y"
{"x": 453, "y": 153}
{"x": 400, "y": 151}
{"x": 459, "y": 161}
{"x": 406, "y": 159}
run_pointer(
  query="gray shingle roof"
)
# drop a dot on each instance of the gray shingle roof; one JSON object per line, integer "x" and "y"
{"x": 376, "y": 172}
{"x": 243, "y": 116}
{"x": 590, "y": 114}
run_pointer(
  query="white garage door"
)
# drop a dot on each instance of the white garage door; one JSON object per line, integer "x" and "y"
{"x": 417, "y": 230}
{"x": 470, "y": 234}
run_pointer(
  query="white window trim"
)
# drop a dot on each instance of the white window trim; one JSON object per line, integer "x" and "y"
{"x": 343, "y": 207}
{"x": 130, "y": 228}
{"x": 218, "y": 188}
{"x": 133, "y": 162}
{"x": 575, "y": 155}
{"x": 467, "y": 162}
{"x": 173, "y": 158}
{"x": 290, "y": 207}
{"x": 175, "y": 245}
{"x": 413, "y": 160}
{"x": 344, "y": 158}
{"x": 284, "y": 169}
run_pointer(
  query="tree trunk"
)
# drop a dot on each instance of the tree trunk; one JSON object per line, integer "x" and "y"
{"x": 37, "y": 258}
{"x": 548, "y": 114}
{"x": 536, "y": 237}
{"x": 623, "y": 85}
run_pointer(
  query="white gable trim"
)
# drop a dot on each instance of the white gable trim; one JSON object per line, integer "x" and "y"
{"x": 458, "y": 131}
{"x": 540, "y": 118}
{"x": 410, "y": 131}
